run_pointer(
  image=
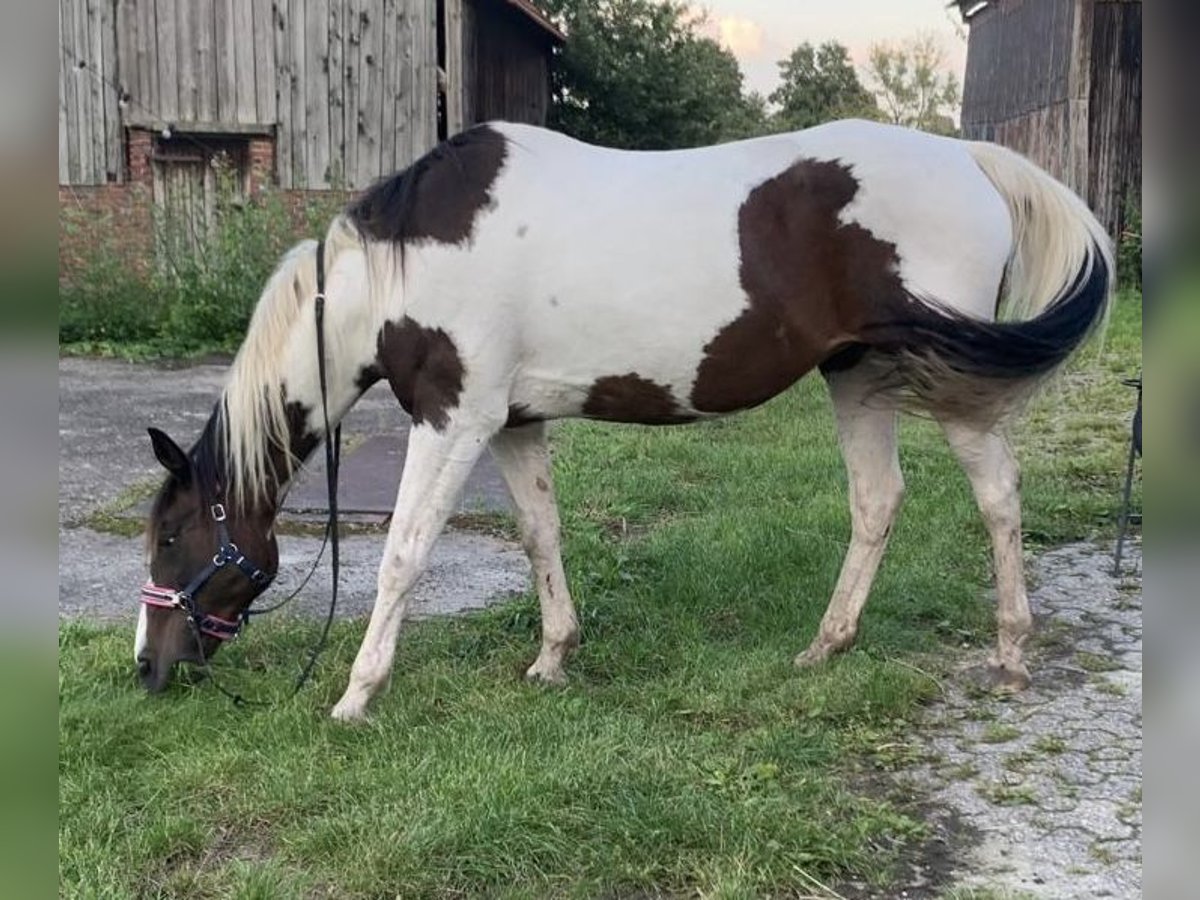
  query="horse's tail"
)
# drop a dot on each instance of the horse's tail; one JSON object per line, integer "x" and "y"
{"x": 1058, "y": 289}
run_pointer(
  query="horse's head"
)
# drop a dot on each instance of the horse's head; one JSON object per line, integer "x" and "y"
{"x": 208, "y": 561}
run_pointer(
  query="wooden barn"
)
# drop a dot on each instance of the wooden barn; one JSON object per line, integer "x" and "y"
{"x": 1061, "y": 82}
{"x": 303, "y": 95}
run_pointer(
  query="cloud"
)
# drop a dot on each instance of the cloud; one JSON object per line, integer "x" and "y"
{"x": 744, "y": 38}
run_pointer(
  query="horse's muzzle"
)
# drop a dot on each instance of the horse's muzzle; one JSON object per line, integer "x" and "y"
{"x": 153, "y": 677}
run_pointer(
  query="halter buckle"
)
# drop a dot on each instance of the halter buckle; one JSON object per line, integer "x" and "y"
{"x": 218, "y": 512}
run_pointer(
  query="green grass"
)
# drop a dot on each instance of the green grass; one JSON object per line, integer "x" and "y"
{"x": 685, "y": 757}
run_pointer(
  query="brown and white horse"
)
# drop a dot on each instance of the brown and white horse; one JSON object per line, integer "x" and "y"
{"x": 514, "y": 276}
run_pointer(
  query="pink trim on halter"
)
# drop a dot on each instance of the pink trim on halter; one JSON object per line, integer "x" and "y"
{"x": 168, "y": 598}
{"x": 156, "y": 595}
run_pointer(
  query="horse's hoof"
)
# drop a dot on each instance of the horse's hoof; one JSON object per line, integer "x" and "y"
{"x": 349, "y": 712}
{"x": 815, "y": 655}
{"x": 1008, "y": 677}
{"x": 548, "y": 675}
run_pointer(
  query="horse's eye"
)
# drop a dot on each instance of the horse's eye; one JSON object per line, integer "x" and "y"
{"x": 168, "y": 540}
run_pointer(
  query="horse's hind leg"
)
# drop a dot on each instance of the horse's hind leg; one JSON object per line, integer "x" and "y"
{"x": 524, "y": 461}
{"x": 992, "y": 470}
{"x": 435, "y": 469}
{"x": 867, "y": 435}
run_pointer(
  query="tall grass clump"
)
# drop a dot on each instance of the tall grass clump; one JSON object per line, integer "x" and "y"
{"x": 197, "y": 292}
{"x": 1129, "y": 247}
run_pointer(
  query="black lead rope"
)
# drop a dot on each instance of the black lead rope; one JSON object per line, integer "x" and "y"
{"x": 333, "y": 452}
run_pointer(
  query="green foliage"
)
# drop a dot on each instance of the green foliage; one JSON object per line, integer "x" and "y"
{"x": 911, "y": 87}
{"x": 638, "y": 74}
{"x": 641, "y": 74}
{"x": 1129, "y": 248}
{"x": 198, "y": 293}
{"x": 819, "y": 84}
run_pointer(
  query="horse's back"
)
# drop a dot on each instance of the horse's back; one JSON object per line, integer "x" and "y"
{"x": 700, "y": 281}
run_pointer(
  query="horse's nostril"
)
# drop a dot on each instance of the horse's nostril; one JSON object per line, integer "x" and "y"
{"x": 144, "y": 667}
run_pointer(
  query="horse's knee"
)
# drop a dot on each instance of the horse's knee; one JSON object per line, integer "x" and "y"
{"x": 401, "y": 566}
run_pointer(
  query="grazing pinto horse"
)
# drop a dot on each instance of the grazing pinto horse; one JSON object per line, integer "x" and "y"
{"x": 514, "y": 276}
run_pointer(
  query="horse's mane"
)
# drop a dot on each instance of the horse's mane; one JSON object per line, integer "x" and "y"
{"x": 459, "y": 170}
{"x": 253, "y": 408}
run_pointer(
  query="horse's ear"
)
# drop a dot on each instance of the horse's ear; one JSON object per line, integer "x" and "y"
{"x": 167, "y": 452}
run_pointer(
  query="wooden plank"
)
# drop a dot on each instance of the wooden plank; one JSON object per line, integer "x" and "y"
{"x": 245, "y": 104}
{"x": 350, "y": 60}
{"x": 65, "y": 101}
{"x": 390, "y": 27}
{"x": 98, "y": 74}
{"x": 185, "y": 54}
{"x": 167, "y": 30}
{"x": 370, "y": 94}
{"x": 299, "y": 126}
{"x": 82, "y": 77}
{"x": 126, "y": 48}
{"x": 225, "y": 60}
{"x": 316, "y": 98}
{"x": 469, "y": 14}
{"x": 454, "y": 66}
{"x": 411, "y": 101}
{"x": 266, "y": 81}
{"x": 204, "y": 31}
{"x": 145, "y": 92}
{"x": 196, "y": 127}
{"x": 283, "y": 99}
{"x": 114, "y": 161}
{"x": 426, "y": 84}
{"x": 400, "y": 93}
{"x": 158, "y": 191}
{"x": 337, "y": 95}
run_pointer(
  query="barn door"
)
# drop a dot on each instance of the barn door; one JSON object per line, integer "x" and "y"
{"x": 192, "y": 185}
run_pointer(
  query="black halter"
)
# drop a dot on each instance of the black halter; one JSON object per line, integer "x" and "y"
{"x": 185, "y": 598}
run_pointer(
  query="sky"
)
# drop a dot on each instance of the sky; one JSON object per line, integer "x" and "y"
{"x": 762, "y": 32}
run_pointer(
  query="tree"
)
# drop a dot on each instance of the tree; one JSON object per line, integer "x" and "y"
{"x": 820, "y": 84}
{"x": 911, "y": 87}
{"x": 638, "y": 74}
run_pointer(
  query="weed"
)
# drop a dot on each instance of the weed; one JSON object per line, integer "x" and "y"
{"x": 1000, "y": 733}
{"x": 198, "y": 294}
{"x": 1095, "y": 663}
{"x": 1003, "y": 794}
{"x": 1050, "y": 744}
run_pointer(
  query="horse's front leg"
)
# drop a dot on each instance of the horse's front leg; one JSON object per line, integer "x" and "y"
{"x": 435, "y": 470}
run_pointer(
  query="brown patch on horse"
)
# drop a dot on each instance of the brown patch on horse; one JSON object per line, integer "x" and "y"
{"x": 811, "y": 283}
{"x": 632, "y": 398}
{"x": 424, "y": 369}
{"x": 437, "y": 198}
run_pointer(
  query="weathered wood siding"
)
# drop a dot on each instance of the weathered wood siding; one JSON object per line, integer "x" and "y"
{"x": 508, "y": 74}
{"x": 89, "y": 115}
{"x": 1017, "y": 89}
{"x": 1060, "y": 81}
{"x": 347, "y": 86}
{"x": 1115, "y": 104}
